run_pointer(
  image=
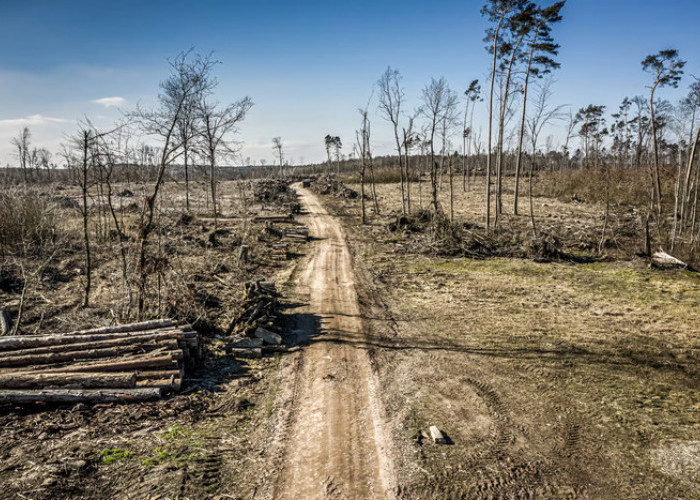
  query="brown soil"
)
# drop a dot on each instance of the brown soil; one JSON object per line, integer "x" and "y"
{"x": 333, "y": 442}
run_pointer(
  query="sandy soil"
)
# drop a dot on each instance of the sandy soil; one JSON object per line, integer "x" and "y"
{"x": 553, "y": 380}
{"x": 334, "y": 446}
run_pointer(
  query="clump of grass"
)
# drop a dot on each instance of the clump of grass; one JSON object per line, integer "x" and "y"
{"x": 114, "y": 455}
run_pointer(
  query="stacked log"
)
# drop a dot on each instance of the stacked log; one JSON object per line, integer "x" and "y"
{"x": 134, "y": 362}
{"x": 296, "y": 233}
{"x": 280, "y": 251}
{"x": 260, "y": 308}
{"x": 274, "y": 218}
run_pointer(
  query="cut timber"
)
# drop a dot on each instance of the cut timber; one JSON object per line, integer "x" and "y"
{"x": 70, "y": 396}
{"x": 97, "y": 344}
{"x": 166, "y": 385}
{"x": 161, "y": 361}
{"x": 252, "y": 353}
{"x": 159, "y": 374}
{"x": 437, "y": 436}
{"x": 273, "y": 218}
{"x": 62, "y": 357}
{"x": 68, "y": 380}
{"x": 133, "y": 327}
{"x": 5, "y": 323}
{"x": 662, "y": 260}
{"x": 32, "y": 341}
{"x": 131, "y": 362}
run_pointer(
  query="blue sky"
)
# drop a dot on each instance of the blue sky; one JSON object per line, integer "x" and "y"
{"x": 308, "y": 66}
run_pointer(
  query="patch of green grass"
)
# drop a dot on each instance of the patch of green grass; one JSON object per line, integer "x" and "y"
{"x": 114, "y": 455}
{"x": 176, "y": 432}
{"x": 162, "y": 455}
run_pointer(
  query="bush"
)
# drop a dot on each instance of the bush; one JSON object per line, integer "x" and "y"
{"x": 27, "y": 221}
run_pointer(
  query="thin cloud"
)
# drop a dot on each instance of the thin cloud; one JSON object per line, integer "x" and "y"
{"x": 31, "y": 120}
{"x": 110, "y": 102}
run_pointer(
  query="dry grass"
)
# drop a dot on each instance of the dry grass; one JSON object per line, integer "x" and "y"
{"x": 553, "y": 380}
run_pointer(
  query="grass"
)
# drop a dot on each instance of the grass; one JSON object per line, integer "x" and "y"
{"x": 114, "y": 455}
{"x": 553, "y": 379}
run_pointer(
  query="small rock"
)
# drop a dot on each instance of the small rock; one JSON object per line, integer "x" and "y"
{"x": 268, "y": 337}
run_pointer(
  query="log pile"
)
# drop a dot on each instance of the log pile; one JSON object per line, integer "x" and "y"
{"x": 274, "y": 218}
{"x": 257, "y": 329}
{"x": 296, "y": 233}
{"x": 135, "y": 362}
{"x": 330, "y": 184}
{"x": 280, "y": 251}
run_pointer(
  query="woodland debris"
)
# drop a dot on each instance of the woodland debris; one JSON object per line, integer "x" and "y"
{"x": 268, "y": 337}
{"x": 247, "y": 353}
{"x": 260, "y": 308}
{"x": 245, "y": 342}
{"x": 330, "y": 184}
{"x": 5, "y": 323}
{"x": 296, "y": 233}
{"x": 662, "y": 260}
{"x": 134, "y": 362}
{"x": 280, "y": 251}
{"x": 437, "y": 436}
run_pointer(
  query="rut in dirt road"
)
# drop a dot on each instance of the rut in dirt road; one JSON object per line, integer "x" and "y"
{"x": 335, "y": 447}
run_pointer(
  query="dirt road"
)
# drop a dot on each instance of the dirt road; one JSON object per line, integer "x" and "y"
{"x": 335, "y": 446}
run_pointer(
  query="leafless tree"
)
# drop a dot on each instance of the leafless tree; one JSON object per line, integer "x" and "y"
{"x": 434, "y": 98}
{"x": 390, "y": 100}
{"x": 22, "y": 145}
{"x": 189, "y": 79}
{"x": 277, "y": 147}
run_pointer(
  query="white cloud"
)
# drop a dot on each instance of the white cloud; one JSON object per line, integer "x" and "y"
{"x": 110, "y": 102}
{"x": 30, "y": 120}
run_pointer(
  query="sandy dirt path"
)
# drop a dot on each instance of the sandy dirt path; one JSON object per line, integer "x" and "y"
{"x": 335, "y": 446}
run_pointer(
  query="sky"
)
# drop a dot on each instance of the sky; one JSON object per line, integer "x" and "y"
{"x": 308, "y": 66}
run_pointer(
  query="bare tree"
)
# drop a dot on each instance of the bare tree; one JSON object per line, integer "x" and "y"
{"x": 434, "y": 97}
{"x": 390, "y": 99}
{"x": 189, "y": 79}
{"x": 218, "y": 126}
{"x": 22, "y": 144}
{"x": 543, "y": 113}
{"x": 277, "y": 147}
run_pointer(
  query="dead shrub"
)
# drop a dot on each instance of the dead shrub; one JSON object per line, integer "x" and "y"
{"x": 27, "y": 222}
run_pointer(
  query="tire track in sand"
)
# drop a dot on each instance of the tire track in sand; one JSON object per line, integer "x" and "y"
{"x": 335, "y": 447}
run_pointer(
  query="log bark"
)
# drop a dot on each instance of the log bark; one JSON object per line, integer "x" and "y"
{"x": 5, "y": 323}
{"x": 32, "y": 341}
{"x": 158, "y": 374}
{"x": 160, "y": 361}
{"x": 662, "y": 260}
{"x": 68, "y": 380}
{"x": 71, "y": 396}
{"x": 132, "y": 327}
{"x": 135, "y": 340}
{"x": 59, "y": 357}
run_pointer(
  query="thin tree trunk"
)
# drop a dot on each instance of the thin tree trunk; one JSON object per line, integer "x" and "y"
{"x": 488, "y": 142}
{"x": 657, "y": 168}
{"x": 86, "y": 232}
{"x": 521, "y": 136}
